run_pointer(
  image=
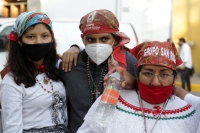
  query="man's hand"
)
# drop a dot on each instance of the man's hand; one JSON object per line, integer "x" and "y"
{"x": 129, "y": 82}
{"x": 69, "y": 57}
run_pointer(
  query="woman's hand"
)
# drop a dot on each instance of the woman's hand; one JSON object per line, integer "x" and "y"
{"x": 69, "y": 57}
{"x": 129, "y": 82}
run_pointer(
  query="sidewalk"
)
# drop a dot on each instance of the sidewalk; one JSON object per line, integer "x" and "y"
{"x": 195, "y": 82}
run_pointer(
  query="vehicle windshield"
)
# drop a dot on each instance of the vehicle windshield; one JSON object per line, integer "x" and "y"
{"x": 6, "y": 31}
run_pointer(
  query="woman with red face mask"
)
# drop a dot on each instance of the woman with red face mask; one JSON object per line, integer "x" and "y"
{"x": 152, "y": 107}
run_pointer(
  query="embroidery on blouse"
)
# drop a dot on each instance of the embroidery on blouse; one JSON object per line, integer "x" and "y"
{"x": 138, "y": 112}
{"x": 57, "y": 129}
{"x": 58, "y": 108}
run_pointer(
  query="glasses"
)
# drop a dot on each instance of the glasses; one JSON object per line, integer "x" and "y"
{"x": 161, "y": 76}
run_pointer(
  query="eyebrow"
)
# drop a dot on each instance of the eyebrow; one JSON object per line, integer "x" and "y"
{"x": 107, "y": 36}
{"x": 89, "y": 37}
{"x": 162, "y": 70}
{"x": 34, "y": 33}
{"x": 147, "y": 69}
{"x": 165, "y": 70}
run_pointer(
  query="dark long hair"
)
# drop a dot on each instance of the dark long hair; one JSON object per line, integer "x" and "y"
{"x": 24, "y": 71}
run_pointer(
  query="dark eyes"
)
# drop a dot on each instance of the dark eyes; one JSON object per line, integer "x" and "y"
{"x": 31, "y": 36}
{"x": 93, "y": 40}
{"x": 151, "y": 75}
{"x": 147, "y": 73}
{"x": 164, "y": 75}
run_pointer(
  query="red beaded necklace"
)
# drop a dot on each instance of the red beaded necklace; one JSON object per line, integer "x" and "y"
{"x": 46, "y": 82}
{"x": 41, "y": 69}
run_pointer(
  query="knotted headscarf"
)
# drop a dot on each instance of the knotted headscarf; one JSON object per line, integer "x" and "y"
{"x": 104, "y": 21}
{"x": 157, "y": 53}
{"x": 27, "y": 19}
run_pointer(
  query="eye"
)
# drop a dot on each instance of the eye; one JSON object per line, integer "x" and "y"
{"x": 90, "y": 40}
{"x": 29, "y": 37}
{"x": 147, "y": 73}
{"x": 164, "y": 75}
{"x": 45, "y": 36}
{"x": 104, "y": 39}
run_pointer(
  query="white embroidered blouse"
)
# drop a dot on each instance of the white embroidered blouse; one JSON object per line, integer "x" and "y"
{"x": 32, "y": 107}
{"x": 177, "y": 117}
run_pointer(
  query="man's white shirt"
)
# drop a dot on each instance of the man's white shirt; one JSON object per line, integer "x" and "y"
{"x": 186, "y": 55}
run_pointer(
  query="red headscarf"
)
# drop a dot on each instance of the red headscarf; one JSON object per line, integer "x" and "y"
{"x": 104, "y": 21}
{"x": 157, "y": 53}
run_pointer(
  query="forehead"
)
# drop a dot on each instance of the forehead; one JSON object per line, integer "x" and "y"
{"x": 156, "y": 68}
{"x": 37, "y": 29}
{"x": 99, "y": 35}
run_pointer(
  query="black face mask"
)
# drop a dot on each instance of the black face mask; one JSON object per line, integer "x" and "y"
{"x": 36, "y": 51}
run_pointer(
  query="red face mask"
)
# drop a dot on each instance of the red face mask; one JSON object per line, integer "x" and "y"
{"x": 155, "y": 94}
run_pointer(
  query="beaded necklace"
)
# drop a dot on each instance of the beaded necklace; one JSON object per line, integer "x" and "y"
{"x": 95, "y": 90}
{"x": 48, "y": 81}
{"x": 144, "y": 117}
{"x": 41, "y": 69}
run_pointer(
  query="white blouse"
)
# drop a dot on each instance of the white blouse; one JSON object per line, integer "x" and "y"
{"x": 177, "y": 117}
{"x": 32, "y": 107}
{"x": 195, "y": 101}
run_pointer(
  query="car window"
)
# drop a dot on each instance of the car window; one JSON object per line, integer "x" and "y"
{"x": 6, "y": 31}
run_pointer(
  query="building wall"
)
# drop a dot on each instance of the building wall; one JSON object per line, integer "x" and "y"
{"x": 186, "y": 23}
{"x": 150, "y": 18}
{"x": 12, "y": 8}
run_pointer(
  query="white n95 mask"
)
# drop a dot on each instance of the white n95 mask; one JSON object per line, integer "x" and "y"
{"x": 98, "y": 52}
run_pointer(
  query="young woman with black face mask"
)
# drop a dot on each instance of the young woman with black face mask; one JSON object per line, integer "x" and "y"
{"x": 33, "y": 97}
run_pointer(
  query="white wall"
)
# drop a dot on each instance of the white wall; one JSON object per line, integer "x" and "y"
{"x": 150, "y": 18}
{"x": 33, "y": 5}
{"x": 75, "y": 9}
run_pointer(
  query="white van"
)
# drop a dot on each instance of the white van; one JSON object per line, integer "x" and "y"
{"x": 66, "y": 33}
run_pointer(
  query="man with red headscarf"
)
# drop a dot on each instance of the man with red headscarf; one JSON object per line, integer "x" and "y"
{"x": 104, "y": 48}
{"x": 152, "y": 106}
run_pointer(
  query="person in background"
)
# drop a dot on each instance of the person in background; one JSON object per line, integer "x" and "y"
{"x": 152, "y": 106}
{"x": 186, "y": 56}
{"x": 33, "y": 97}
{"x": 104, "y": 48}
{"x": 169, "y": 40}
